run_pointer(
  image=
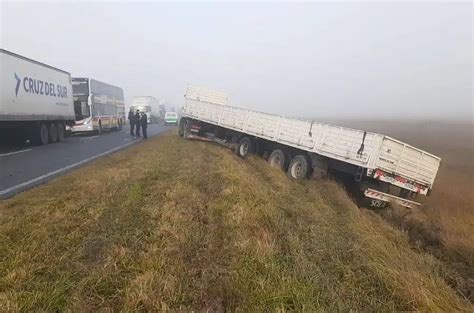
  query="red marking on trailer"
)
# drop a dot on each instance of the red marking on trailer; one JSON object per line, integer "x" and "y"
{"x": 400, "y": 181}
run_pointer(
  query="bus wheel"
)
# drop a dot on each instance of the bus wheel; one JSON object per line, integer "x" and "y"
{"x": 61, "y": 131}
{"x": 53, "y": 133}
{"x": 277, "y": 158}
{"x": 244, "y": 147}
{"x": 298, "y": 168}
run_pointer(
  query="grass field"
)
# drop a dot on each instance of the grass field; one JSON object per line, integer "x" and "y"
{"x": 174, "y": 225}
{"x": 445, "y": 225}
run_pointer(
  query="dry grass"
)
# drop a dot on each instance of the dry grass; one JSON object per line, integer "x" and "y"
{"x": 174, "y": 225}
{"x": 445, "y": 225}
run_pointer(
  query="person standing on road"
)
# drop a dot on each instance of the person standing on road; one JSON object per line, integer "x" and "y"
{"x": 131, "y": 120}
{"x": 137, "y": 123}
{"x": 143, "y": 122}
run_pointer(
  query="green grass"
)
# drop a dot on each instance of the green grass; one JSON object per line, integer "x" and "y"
{"x": 180, "y": 225}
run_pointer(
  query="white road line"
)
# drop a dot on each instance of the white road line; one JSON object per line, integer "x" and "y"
{"x": 10, "y": 153}
{"x": 39, "y": 178}
{"x": 88, "y": 138}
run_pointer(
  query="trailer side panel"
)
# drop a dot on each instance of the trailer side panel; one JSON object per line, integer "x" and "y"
{"x": 31, "y": 91}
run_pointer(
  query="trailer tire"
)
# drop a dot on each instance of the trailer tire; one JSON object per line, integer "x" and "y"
{"x": 186, "y": 129}
{"x": 53, "y": 133}
{"x": 298, "y": 168}
{"x": 277, "y": 159}
{"x": 61, "y": 131}
{"x": 181, "y": 128}
{"x": 41, "y": 134}
{"x": 244, "y": 148}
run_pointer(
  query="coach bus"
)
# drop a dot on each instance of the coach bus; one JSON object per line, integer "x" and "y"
{"x": 97, "y": 106}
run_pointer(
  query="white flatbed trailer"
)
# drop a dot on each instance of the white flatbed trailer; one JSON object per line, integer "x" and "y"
{"x": 375, "y": 160}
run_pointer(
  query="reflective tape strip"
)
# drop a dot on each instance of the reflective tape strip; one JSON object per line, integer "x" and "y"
{"x": 400, "y": 181}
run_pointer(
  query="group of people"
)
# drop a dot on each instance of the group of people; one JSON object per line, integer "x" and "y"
{"x": 138, "y": 120}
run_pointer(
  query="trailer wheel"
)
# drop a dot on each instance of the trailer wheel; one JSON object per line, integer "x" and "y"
{"x": 298, "y": 168}
{"x": 61, "y": 131}
{"x": 181, "y": 127}
{"x": 277, "y": 158}
{"x": 53, "y": 133}
{"x": 186, "y": 129}
{"x": 42, "y": 134}
{"x": 244, "y": 147}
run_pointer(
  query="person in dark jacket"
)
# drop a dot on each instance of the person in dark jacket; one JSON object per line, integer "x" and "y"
{"x": 143, "y": 122}
{"x": 137, "y": 123}
{"x": 131, "y": 120}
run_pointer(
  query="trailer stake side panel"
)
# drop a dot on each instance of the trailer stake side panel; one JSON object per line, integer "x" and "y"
{"x": 407, "y": 161}
{"x": 332, "y": 141}
{"x": 386, "y": 159}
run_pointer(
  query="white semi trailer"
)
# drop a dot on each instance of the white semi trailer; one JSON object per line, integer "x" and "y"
{"x": 377, "y": 169}
{"x": 145, "y": 104}
{"x": 35, "y": 99}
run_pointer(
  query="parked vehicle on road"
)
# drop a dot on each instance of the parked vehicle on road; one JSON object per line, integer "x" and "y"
{"x": 98, "y": 106}
{"x": 161, "y": 112}
{"x": 145, "y": 104}
{"x": 171, "y": 118}
{"x": 35, "y": 99}
{"x": 377, "y": 168}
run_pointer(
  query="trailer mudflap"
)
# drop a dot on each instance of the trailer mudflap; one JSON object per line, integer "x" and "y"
{"x": 381, "y": 196}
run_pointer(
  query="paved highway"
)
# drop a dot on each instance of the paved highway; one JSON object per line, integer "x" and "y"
{"x": 27, "y": 166}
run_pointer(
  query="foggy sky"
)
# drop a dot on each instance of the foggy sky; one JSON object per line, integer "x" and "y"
{"x": 343, "y": 60}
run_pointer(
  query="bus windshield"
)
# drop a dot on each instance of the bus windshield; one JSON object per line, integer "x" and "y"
{"x": 80, "y": 91}
{"x": 81, "y": 108}
{"x": 80, "y": 87}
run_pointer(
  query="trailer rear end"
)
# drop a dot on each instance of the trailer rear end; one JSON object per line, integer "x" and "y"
{"x": 406, "y": 166}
